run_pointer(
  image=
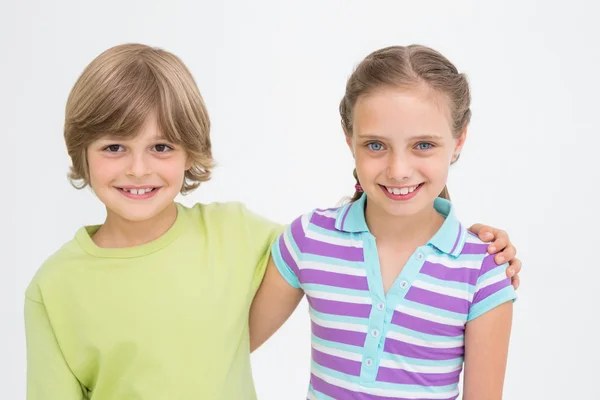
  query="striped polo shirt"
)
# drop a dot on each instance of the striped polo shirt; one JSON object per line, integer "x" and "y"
{"x": 406, "y": 344}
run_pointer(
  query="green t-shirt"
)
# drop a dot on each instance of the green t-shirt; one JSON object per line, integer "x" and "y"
{"x": 164, "y": 320}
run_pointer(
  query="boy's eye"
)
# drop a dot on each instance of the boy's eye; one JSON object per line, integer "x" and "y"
{"x": 162, "y": 148}
{"x": 375, "y": 146}
{"x": 114, "y": 148}
{"x": 424, "y": 146}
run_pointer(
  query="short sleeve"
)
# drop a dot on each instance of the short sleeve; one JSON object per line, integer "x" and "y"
{"x": 262, "y": 233}
{"x": 48, "y": 375}
{"x": 287, "y": 251}
{"x": 493, "y": 288}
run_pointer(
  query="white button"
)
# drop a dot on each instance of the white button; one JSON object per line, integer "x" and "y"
{"x": 420, "y": 256}
{"x": 403, "y": 284}
{"x": 380, "y": 306}
{"x": 368, "y": 362}
{"x": 374, "y": 333}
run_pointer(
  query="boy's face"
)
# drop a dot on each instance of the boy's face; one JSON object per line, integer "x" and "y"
{"x": 137, "y": 178}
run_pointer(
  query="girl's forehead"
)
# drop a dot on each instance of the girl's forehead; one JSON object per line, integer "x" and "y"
{"x": 401, "y": 112}
{"x": 402, "y": 102}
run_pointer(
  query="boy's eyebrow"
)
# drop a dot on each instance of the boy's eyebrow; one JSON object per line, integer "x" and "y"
{"x": 111, "y": 138}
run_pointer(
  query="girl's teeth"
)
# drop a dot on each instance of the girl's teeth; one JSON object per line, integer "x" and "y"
{"x": 402, "y": 191}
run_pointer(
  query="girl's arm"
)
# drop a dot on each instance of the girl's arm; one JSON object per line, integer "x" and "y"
{"x": 486, "y": 352}
{"x": 274, "y": 302}
{"x": 48, "y": 375}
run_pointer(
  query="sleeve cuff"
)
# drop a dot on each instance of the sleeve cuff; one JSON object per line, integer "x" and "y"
{"x": 500, "y": 297}
{"x": 282, "y": 266}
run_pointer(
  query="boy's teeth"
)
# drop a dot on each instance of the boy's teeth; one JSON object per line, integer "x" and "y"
{"x": 138, "y": 191}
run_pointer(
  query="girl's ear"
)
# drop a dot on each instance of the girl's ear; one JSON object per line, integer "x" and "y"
{"x": 349, "y": 143}
{"x": 460, "y": 142}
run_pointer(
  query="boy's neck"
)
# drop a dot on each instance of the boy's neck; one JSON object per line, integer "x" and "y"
{"x": 117, "y": 232}
{"x": 413, "y": 230}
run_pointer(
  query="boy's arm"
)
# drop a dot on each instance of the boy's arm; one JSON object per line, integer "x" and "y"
{"x": 274, "y": 302}
{"x": 48, "y": 375}
{"x": 503, "y": 249}
{"x": 486, "y": 351}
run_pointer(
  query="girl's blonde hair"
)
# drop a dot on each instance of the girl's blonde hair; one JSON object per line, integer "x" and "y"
{"x": 413, "y": 66}
{"x": 119, "y": 89}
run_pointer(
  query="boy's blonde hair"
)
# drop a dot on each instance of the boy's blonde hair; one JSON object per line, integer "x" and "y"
{"x": 119, "y": 89}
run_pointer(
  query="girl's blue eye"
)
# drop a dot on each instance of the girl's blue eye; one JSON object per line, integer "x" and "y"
{"x": 375, "y": 146}
{"x": 424, "y": 146}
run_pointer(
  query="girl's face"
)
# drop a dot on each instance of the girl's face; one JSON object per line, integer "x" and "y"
{"x": 403, "y": 145}
{"x": 137, "y": 178}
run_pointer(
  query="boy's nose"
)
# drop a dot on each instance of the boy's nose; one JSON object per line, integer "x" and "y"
{"x": 139, "y": 166}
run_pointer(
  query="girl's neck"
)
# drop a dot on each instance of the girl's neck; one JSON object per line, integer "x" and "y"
{"x": 118, "y": 232}
{"x": 414, "y": 230}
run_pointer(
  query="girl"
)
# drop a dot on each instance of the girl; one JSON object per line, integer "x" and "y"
{"x": 400, "y": 293}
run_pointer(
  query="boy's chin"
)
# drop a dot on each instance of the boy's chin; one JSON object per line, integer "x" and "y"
{"x": 138, "y": 213}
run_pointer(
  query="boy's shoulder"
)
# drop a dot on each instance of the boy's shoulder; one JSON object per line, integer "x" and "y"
{"x": 55, "y": 267}
{"x": 228, "y": 216}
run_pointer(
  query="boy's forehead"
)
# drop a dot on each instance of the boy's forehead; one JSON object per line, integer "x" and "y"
{"x": 148, "y": 130}
{"x": 136, "y": 137}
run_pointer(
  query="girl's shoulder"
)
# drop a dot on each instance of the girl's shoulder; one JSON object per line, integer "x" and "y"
{"x": 321, "y": 218}
{"x": 320, "y": 229}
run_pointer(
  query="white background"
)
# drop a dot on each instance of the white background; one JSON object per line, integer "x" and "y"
{"x": 272, "y": 74}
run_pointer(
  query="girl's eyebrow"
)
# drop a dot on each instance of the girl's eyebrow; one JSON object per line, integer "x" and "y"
{"x": 370, "y": 137}
{"x": 417, "y": 137}
{"x": 427, "y": 137}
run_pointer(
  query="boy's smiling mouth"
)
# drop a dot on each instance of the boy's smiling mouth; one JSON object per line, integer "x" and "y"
{"x": 138, "y": 192}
